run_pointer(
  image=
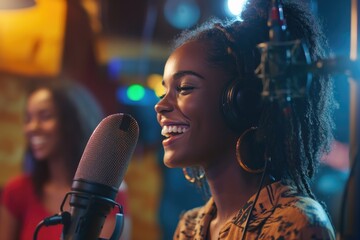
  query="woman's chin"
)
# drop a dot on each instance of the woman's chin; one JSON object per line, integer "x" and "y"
{"x": 39, "y": 156}
{"x": 169, "y": 164}
{"x": 172, "y": 163}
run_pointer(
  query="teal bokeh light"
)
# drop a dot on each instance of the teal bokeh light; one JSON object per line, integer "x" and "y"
{"x": 182, "y": 14}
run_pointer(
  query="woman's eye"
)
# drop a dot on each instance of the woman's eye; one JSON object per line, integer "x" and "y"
{"x": 162, "y": 94}
{"x": 185, "y": 89}
{"x": 45, "y": 116}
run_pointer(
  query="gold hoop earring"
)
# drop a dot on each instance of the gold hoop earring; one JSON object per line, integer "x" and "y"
{"x": 194, "y": 174}
{"x": 240, "y": 159}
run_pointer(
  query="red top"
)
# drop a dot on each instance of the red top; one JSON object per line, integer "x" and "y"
{"x": 19, "y": 198}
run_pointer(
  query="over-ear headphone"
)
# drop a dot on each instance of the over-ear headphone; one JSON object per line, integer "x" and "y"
{"x": 240, "y": 105}
{"x": 241, "y": 98}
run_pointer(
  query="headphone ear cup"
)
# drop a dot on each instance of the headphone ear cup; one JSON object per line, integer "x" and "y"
{"x": 240, "y": 107}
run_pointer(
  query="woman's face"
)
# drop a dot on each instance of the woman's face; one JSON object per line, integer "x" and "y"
{"x": 189, "y": 112}
{"x": 42, "y": 124}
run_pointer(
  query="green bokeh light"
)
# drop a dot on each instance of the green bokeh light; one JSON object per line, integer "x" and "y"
{"x": 135, "y": 92}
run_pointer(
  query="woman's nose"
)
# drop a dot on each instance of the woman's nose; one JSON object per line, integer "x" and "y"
{"x": 164, "y": 105}
{"x": 31, "y": 125}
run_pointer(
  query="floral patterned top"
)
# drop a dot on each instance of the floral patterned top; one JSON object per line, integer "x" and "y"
{"x": 279, "y": 213}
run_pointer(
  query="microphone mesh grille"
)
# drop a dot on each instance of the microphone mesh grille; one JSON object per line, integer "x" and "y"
{"x": 109, "y": 150}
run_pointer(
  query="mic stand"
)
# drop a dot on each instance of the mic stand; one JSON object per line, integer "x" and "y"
{"x": 85, "y": 217}
{"x": 352, "y": 191}
{"x": 64, "y": 218}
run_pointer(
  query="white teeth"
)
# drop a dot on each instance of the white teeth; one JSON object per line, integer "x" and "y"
{"x": 37, "y": 140}
{"x": 172, "y": 129}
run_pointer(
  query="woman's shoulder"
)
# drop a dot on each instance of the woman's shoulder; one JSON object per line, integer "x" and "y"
{"x": 192, "y": 213}
{"x": 291, "y": 204}
{"x": 191, "y": 224}
{"x": 17, "y": 193}
{"x": 19, "y": 182}
{"x": 18, "y": 187}
{"x": 303, "y": 215}
{"x": 197, "y": 214}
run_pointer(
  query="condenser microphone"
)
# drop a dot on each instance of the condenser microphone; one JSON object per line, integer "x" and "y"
{"x": 100, "y": 172}
{"x": 281, "y": 59}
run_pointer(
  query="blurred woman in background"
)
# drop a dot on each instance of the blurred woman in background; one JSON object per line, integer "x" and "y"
{"x": 59, "y": 119}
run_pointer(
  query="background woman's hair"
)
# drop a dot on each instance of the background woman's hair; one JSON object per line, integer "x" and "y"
{"x": 78, "y": 113}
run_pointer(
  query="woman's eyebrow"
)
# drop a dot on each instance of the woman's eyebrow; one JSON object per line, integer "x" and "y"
{"x": 180, "y": 74}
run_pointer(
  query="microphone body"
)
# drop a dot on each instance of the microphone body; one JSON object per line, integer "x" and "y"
{"x": 98, "y": 177}
{"x": 88, "y": 210}
{"x": 279, "y": 70}
{"x": 280, "y": 58}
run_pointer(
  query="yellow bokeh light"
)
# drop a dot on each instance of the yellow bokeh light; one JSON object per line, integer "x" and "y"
{"x": 154, "y": 82}
{"x": 31, "y": 39}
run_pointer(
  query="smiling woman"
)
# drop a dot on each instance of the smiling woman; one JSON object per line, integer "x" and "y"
{"x": 189, "y": 87}
{"x": 256, "y": 155}
{"x": 41, "y": 126}
{"x": 60, "y": 116}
